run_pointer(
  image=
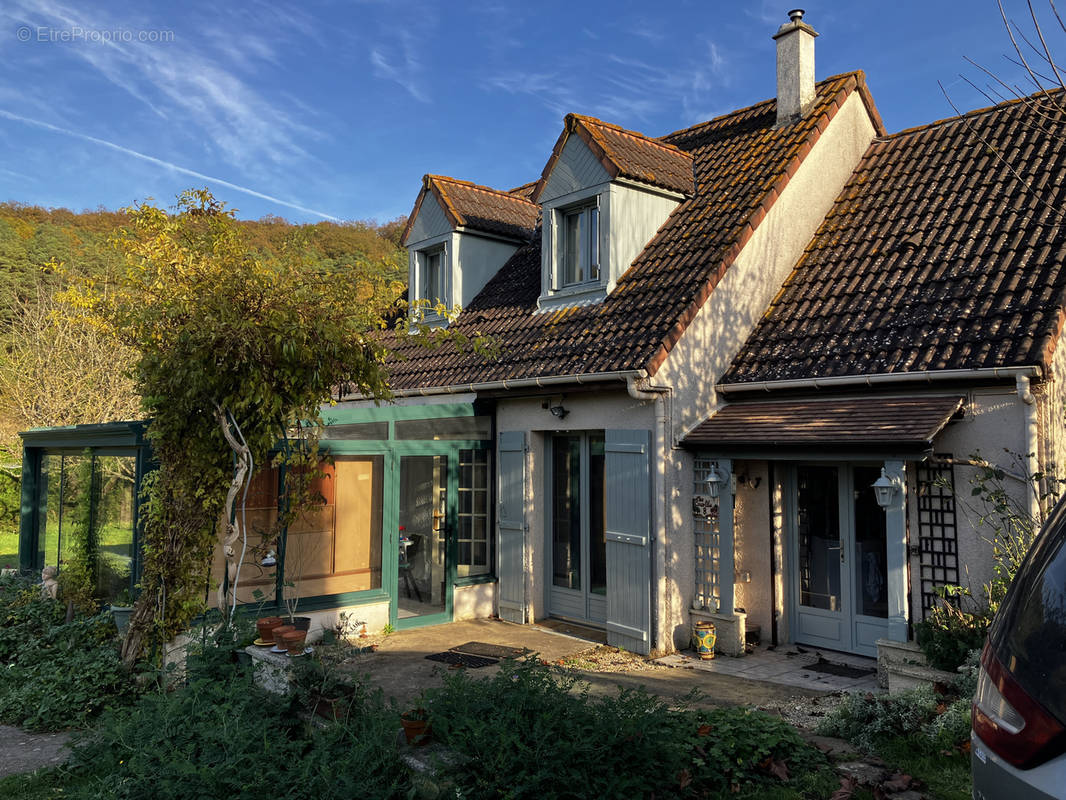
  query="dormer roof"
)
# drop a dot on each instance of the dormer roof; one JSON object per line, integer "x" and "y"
{"x": 625, "y": 154}
{"x": 479, "y": 208}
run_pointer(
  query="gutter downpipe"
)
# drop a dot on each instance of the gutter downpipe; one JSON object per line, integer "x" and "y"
{"x": 660, "y": 443}
{"x": 1032, "y": 489}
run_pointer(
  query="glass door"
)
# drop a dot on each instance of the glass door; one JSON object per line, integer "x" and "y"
{"x": 422, "y": 579}
{"x": 578, "y": 547}
{"x": 840, "y": 558}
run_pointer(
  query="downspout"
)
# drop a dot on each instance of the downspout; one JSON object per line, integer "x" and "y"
{"x": 1032, "y": 492}
{"x": 660, "y": 442}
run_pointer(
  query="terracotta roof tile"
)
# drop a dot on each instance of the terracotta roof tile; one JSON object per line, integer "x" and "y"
{"x": 956, "y": 264}
{"x": 481, "y": 208}
{"x": 849, "y": 422}
{"x": 738, "y": 161}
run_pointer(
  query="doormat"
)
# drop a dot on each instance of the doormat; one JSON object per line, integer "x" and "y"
{"x": 598, "y": 635}
{"x": 490, "y": 650}
{"x": 840, "y": 670}
{"x": 462, "y": 660}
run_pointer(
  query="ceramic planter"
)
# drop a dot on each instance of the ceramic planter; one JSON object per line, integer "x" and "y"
{"x": 265, "y": 627}
{"x": 301, "y": 623}
{"x": 704, "y": 638}
{"x": 293, "y": 641}
{"x": 279, "y": 632}
{"x": 416, "y": 731}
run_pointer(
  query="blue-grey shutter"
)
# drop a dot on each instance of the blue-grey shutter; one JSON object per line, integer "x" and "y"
{"x": 512, "y": 526}
{"x": 627, "y": 513}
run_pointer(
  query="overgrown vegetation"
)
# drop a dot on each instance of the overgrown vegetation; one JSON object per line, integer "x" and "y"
{"x": 56, "y": 674}
{"x": 528, "y": 732}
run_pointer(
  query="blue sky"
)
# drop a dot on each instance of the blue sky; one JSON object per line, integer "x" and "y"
{"x": 336, "y": 109}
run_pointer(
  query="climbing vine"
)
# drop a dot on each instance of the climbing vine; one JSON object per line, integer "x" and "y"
{"x": 231, "y": 347}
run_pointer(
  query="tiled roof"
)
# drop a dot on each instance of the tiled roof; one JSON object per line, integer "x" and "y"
{"x": 625, "y": 154}
{"x": 480, "y": 208}
{"x": 909, "y": 422}
{"x": 944, "y": 251}
{"x": 741, "y": 164}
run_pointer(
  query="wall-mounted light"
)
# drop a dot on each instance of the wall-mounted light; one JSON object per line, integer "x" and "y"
{"x": 885, "y": 489}
{"x": 558, "y": 411}
{"x": 713, "y": 481}
{"x": 269, "y": 560}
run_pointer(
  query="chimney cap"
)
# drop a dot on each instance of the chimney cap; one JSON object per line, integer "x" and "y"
{"x": 795, "y": 15}
{"x": 795, "y": 23}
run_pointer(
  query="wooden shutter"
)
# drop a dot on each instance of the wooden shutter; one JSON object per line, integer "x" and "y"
{"x": 512, "y": 526}
{"x": 627, "y": 500}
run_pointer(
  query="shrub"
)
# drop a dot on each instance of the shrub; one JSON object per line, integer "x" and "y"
{"x": 55, "y": 674}
{"x": 949, "y": 633}
{"x": 225, "y": 737}
{"x": 868, "y": 720}
{"x": 531, "y": 732}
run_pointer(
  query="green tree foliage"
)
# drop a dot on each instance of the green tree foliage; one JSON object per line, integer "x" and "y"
{"x": 226, "y": 336}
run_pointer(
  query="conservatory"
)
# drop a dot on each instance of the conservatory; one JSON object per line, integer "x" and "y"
{"x": 402, "y": 532}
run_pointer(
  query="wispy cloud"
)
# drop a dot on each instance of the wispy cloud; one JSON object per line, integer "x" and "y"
{"x": 165, "y": 164}
{"x": 193, "y": 85}
{"x": 400, "y": 63}
{"x": 623, "y": 88}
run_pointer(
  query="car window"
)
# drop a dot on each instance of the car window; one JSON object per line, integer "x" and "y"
{"x": 1029, "y": 635}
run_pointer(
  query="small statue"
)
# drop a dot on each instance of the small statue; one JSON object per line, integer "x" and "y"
{"x": 49, "y": 584}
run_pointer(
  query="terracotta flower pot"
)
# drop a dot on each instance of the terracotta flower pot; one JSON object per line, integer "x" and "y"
{"x": 293, "y": 641}
{"x": 280, "y": 631}
{"x": 416, "y": 731}
{"x": 301, "y": 623}
{"x": 265, "y": 627}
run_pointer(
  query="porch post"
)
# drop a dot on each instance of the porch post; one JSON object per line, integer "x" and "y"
{"x": 896, "y": 545}
{"x": 726, "y": 566}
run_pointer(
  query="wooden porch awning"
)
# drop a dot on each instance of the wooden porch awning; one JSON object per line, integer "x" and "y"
{"x": 901, "y": 424}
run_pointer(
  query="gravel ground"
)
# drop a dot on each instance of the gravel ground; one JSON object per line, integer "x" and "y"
{"x": 603, "y": 658}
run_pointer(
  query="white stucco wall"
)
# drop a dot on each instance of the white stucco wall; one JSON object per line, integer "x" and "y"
{"x": 477, "y": 259}
{"x": 474, "y": 602}
{"x": 720, "y": 328}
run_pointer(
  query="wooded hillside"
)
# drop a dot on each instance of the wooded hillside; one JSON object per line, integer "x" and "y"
{"x": 54, "y": 371}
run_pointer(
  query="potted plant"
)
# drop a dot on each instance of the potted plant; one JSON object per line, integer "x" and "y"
{"x": 122, "y": 610}
{"x": 415, "y": 724}
{"x": 320, "y": 684}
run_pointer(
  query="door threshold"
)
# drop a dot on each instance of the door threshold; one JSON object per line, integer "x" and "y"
{"x": 575, "y": 629}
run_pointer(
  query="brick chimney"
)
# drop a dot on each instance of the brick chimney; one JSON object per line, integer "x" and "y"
{"x": 795, "y": 68}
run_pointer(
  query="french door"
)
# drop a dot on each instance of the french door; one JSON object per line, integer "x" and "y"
{"x": 839, "y": 557}
{"x": 422, "y": 576}
{"x": 578, "y": 588}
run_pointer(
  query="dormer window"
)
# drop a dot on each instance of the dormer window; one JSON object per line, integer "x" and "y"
{"x": 581, "y": 244}
{"x": 433, "y": 276}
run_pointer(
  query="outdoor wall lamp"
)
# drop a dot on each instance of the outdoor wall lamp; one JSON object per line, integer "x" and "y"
{"x": 559, "y": 411}
{"x": 269, "y": 560}
{"x": 885, "y": 489}
{"x": 713, "y": 481}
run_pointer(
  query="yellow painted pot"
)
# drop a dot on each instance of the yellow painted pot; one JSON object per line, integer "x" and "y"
{"x": 703, "y": 639}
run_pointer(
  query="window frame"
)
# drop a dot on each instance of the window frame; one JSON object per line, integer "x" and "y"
{"x": 588, "y": 269}
{"x": 426, "y": 288}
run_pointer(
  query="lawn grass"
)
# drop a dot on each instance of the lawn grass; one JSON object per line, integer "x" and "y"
{"x": 947, "y": 776}
{"x": 9, "y": 549}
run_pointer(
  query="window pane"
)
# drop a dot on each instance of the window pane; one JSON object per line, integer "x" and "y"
{"x": 472, "y": 428}
{"x": 473, "y": 537}
{"x": 114, "y": 523}
{"x": 819, "y": 537}
{"x": 434, "y": 277}
{"x": 597, "y": 540}
{"x": 51, "y": 480}
{"x": 572, "y": 249}
{"x": 358, "y": 431}
{"x": 566, "y": 511}
{"x": 871, "y": 549}
{"x": 594, "y": 243}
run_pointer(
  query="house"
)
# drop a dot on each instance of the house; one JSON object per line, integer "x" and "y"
{"x": 711, "y": 345}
